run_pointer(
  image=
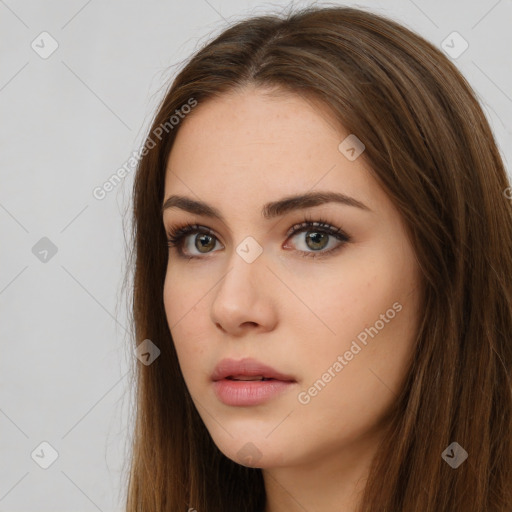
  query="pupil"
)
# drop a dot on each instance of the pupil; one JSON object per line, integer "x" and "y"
{"x": 316, "y": 237}
{"x": 202, "y": 243}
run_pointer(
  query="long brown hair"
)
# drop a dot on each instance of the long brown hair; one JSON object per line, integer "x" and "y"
{"x": 430, "y": 147}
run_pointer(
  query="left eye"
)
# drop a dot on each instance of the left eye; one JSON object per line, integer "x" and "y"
{"x": 318, "y": 236}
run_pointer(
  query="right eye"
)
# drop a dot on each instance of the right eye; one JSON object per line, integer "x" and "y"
{"x": 178, "y": 235}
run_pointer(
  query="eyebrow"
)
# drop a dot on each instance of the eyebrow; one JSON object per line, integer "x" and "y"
{"x": 269, "y": 210}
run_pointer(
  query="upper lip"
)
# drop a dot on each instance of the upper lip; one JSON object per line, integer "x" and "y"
{"x": 247, "y": 367}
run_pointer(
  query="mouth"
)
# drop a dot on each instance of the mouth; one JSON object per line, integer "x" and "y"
{"x": 248, "y": 382}
{"x": 247, "y": 369}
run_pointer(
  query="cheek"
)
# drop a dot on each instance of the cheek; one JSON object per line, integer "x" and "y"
{"x": 338, "y": 300}
{"x": 184, "y": 295}
{"x": 367, "y": 313}
{"x": 353, "y": 394}
{"x": 186, "y": 318}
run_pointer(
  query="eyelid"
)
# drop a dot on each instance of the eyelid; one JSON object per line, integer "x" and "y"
{"x": 321, "y": 225}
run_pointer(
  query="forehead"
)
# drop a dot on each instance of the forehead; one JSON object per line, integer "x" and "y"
{"x": 248, "y": 148}
{"x": 238, "y": 124}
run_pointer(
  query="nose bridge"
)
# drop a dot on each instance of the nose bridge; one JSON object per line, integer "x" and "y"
{"x": 249, "y": 250}
{"x": 245, "y": 266}
{"x": 241, "y": 296}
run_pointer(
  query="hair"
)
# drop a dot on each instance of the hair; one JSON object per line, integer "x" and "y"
{"x": 431, "y": 149}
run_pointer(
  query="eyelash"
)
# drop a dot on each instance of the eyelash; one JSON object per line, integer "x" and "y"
{"x": 177, "y": 234}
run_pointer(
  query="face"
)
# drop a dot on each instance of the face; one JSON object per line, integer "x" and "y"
{"x": 331, "y": 306}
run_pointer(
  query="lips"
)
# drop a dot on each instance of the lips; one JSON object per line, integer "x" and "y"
{"x": 247, "y": 369}
{"x": 248, "y": 382}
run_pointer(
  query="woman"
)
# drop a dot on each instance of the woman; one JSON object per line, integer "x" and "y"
{"x": 322, "y": 255}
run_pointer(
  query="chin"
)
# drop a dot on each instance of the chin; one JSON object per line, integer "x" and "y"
{"x": 252, "y": 451}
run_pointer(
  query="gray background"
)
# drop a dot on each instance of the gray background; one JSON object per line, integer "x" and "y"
{"x": 68, "y": 123}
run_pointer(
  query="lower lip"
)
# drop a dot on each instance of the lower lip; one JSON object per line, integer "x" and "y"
{"x": 244, "y": 392}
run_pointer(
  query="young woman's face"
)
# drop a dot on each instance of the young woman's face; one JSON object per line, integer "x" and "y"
{"x": 337, "y": 318}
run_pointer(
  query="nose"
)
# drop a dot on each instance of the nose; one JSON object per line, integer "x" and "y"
{"x": 244, "y": 299}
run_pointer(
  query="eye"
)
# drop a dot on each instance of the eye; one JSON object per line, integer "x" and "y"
{"x": 318, "y": 235}
{"x": 204, "y": 240}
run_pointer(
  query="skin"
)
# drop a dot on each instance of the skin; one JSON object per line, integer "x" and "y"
{"x": 296, "y": 314}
